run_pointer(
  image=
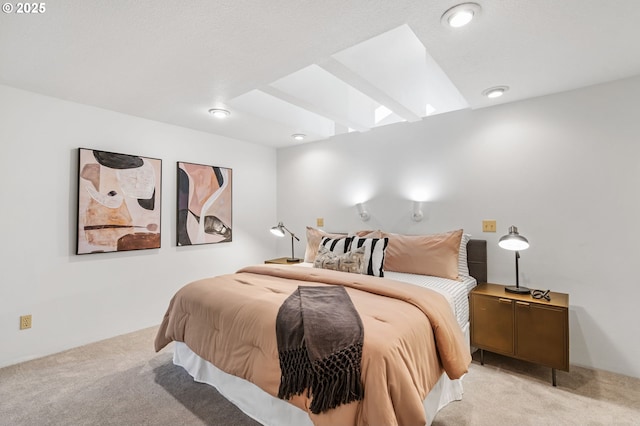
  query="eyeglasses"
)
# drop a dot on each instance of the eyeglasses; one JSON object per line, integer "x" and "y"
{"x": 541, "y": 294}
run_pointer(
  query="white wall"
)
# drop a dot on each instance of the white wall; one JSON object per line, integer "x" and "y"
{"x": 79, "y": 299}
{"x": 565, "y": 169}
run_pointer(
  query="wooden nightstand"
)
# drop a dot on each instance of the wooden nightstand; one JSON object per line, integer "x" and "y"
{"x": 520, "y": 326}
{"x": 283, "y": 261}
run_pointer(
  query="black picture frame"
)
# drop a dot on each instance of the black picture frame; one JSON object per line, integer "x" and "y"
{"x": 204, "y": 204}
{"x": 119, "y": 202}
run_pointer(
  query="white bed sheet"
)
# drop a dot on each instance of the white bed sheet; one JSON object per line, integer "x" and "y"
{"x": 456, "y": 292}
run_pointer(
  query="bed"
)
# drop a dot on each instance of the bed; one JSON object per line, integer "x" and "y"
{"x": 404, "y": 382}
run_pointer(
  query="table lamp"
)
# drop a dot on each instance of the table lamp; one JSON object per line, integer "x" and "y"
{"x": 278, "y": 231}
{"x": 516, "y": 242}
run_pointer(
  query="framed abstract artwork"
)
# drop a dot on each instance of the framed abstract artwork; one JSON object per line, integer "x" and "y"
{"x": 118, "y": 202}
{"x": 204, "y": 204}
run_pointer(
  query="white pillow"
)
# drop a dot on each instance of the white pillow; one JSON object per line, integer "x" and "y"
{"x": 463, "y": 265}
{"x": 374, "y": 249}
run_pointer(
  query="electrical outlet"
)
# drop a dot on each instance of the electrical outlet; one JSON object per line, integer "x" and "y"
{"x": 320, "y": 222}
{"x": 488, "y": 226}
{"x": 25, "y": 322}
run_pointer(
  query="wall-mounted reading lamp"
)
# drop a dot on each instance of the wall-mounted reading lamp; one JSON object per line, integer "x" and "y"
{"x": 278, "y": 231}
{"x": 416, "y": 212}
{"x": 362, "y": 211}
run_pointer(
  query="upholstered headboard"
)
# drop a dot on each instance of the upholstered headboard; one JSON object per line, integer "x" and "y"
{"x": 477, "y": 259}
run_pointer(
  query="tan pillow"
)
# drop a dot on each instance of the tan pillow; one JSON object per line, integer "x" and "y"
{"x": 314, "y": 236}
{"x": 368, "y": 234}
{"x": 435, "y": 255}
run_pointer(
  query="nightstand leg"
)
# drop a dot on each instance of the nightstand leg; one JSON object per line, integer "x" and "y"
{"x": 553, "y": 376}
{"x": 481, "y": 356}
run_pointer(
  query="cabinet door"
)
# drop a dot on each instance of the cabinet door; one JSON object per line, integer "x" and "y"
{"x": 541, "y": 334}
{"x": 492, "y": 324}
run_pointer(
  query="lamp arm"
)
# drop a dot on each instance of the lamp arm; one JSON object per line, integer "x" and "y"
{"x": 291, "y": 233}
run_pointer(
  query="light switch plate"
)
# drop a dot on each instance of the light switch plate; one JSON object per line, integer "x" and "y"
{"x": 488, "y": 226}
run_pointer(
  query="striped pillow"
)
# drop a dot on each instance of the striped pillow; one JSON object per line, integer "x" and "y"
{"x": 336, "y": 245}
{"x": 374, "y": 249}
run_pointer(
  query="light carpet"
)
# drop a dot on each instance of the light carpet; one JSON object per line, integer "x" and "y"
{"x": 122, "y": 381}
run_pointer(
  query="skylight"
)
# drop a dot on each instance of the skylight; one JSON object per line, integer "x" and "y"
{"x": 384, "y": 80}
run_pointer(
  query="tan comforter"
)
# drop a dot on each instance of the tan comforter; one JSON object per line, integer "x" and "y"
{"x": 409, "y": 336}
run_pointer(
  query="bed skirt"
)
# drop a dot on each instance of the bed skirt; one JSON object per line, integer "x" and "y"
{"x": 271, "y": 411}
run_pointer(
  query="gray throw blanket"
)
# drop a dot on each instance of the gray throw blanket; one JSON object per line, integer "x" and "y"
{"x": 320, "y": 336}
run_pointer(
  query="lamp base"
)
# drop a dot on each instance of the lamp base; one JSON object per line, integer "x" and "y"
{"x": 293, "y": 260}
{"x": 518, "y": 290}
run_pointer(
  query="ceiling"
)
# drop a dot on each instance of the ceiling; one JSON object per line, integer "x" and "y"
{"x": 171, "y": 61}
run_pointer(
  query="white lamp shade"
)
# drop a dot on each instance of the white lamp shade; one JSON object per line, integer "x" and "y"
{"x": 278, "y": 230}
{"x": 513, "y": 240}
{"x": 514, "y": 244}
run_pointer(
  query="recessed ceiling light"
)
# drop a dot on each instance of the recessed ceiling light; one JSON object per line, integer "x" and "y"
{"x": 298, "y": 136}
{"x": 460, "y": 15}
{"x": 219, "y": 112}
{"x": 495, "y": 92}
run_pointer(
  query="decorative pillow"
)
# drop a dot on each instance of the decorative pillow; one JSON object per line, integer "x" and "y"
{"x": 351, "y": 261}
{"x": 374, "y": 251}
{"x": 314, "y": 236}
{"x": 463, "y": 265}
{"x": 336, "y": 245}
{"x": 435, "y": 255}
